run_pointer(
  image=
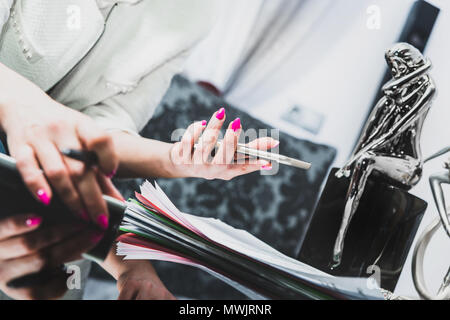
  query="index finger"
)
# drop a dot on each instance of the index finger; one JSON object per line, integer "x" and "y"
{"x": 264, "y": 143}
{"x": 31, "y": 173}
{"x": 208, "y": 140}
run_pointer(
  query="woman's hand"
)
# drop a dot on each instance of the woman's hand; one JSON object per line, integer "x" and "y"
{"x": 139, "y": 281}
{"x": 191, "y": 157}
{"x": 26, "y": 248}
{"x": 37, "y": 128}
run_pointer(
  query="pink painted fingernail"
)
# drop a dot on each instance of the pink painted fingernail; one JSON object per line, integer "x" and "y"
{"x": 267, "y": 167}
{"x": 33, "y": 221}
{"x": 220, "y": 114}
{"x": 276, "y": 144}
{"x": 43, "y": 197}
{"x": 236, "y": 125}
{"x": 97, "y": 237}
{"x": 204, "y": 123}
{"x": 102, "y": 221}
{"x": 112, "y": 174}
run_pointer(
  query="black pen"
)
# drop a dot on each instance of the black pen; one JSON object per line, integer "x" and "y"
{"x": 89, "y": 158}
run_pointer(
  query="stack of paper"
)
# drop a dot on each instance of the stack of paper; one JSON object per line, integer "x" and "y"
{"x": 157, "y": 230}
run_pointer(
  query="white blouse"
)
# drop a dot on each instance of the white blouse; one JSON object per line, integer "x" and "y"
{"x": 112, "y": 60}
{"x": 5, "y": 6}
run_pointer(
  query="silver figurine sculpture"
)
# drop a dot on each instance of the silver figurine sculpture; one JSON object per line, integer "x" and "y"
{"x": 390, "y": 141}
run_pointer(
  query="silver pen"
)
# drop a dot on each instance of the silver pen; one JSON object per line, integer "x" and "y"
{"x": 269, "y": 156}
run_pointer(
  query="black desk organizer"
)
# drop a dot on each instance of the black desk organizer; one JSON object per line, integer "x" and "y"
{"x": 381, "y": 232}
{"x": 15, "y": 199}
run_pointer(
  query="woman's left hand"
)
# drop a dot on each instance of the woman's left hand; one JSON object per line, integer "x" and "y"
{"x": 139, "y": 281}
{"x": 191, "y": 157}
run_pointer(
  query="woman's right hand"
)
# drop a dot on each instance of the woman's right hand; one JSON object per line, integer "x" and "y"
{"x": 37, "y": 128}
{"x": 26, "y": 248}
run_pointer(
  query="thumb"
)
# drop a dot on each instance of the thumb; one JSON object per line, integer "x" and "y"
{"x": 108, "y": 187}
{"x": 265, "y": 143}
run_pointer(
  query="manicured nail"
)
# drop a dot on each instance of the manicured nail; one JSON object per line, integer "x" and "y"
{"x": 236, "y": 125}
{"x": 102, "y": 221}
{"x": 97, "y": 237}
{"x": 267, "y": 167}
{"x": 204, "y": 123}
{"x": 220, "y": 114}
{"x": 33, "y": 221}
{"x": 43, "y": 197}
{"x": 112, "y": 174}
{"x": 276, "y": 144}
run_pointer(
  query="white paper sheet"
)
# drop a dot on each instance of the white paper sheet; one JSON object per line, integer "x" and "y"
{"x": 215, "y": 231}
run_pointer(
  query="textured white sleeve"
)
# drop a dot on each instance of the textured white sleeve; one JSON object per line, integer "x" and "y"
{"x": 5, "y": 7}
{"x": 130, "y": 112}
